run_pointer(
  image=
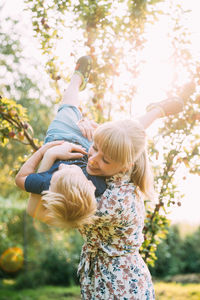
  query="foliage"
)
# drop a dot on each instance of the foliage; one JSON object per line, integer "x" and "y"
{"x": 108, "y": 38}
{"x": 11, "y": 227}
{"x": 18, "y": 230}
{"x": 180, "y": 148}
{"x": 23, "y": 79}
{"x": 60, "y": 269}
{"x": 115, "y": 43}
{"x": 14, "y": 123}
{"x": 48, "y": 254}
{"x": 185, "y": 278}
{"x": 53, "y": 267}
{"x": 19, "y": 80}
{"x": 176, "y": 255}
{"x": 54, "y": 256}
{"x": 179, "y": 137}
{"x": 169, "y": 255}
{"x": 191, "y": 248}
{"x": 31, "y": 279}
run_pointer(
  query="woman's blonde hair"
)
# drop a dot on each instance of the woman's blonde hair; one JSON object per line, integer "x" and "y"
{"x": 72, "y": 203}
{"x": 125, "y": 142}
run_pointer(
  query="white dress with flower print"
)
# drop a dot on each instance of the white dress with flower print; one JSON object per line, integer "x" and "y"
{"x": 111, "y": 267}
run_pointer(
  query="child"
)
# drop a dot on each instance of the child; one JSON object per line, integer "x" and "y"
{"x": 67, "y": 192}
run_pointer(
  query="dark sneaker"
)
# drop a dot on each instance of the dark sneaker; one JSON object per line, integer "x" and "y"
{"x": 168, "y": 107}
{"x": 83, "y": 68}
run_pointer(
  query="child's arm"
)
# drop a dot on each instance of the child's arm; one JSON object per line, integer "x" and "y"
{"x": 32, "y": 163}
{"x": 62, "y": 151}
{"x": 157, "y": 110}
{"x": 50, "y": 151}
{"x": 34, "y": 204}
{"x": 149, "y": 117}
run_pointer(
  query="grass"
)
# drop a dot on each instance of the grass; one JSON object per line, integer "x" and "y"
{"x": 164, "y": 291}
{"x": 43, "y": 293}
{"x": 177, "y": 291}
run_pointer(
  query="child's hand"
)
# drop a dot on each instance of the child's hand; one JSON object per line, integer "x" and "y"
{"x": 87, "y": 128}
{"x": 66, "y": 151}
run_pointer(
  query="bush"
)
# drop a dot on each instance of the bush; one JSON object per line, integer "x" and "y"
{"x": 59, "y": 270}
{"x": 192, "y": 253}
{"x": 169, "y": 255}
{"x": 176, "y": 255}
{"x": 52, "y": 269}
{"x": 186, "y": 278}
{"x": 31, "y": 279}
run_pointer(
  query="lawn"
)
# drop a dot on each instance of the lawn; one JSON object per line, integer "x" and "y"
{"x": 43, "y": 293}
{"x": 177, "y": 291}
{"x": 164, "y": 291}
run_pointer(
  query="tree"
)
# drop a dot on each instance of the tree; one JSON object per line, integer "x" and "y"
{"x": 17, "y": 139}
{"x": 113, "y": 40}
{"x": 169, "y": 255}
{"x": 191, "y": 252}
{"x": 18, "y": 118}
{"x": 176, "y": 254}
{"x": 179, "y": 137}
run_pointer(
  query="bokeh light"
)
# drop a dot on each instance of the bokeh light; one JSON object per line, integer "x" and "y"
{"x": 12, "y": 259}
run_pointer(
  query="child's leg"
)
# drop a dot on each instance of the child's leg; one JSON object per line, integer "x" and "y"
{"x": 78, "y": 81}
{"x": 71, "y": 94}
{"x": 64, "y": 126}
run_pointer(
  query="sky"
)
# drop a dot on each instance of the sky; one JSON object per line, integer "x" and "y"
{"x": 156, "y": 63}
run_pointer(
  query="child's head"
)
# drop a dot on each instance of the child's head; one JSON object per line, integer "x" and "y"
{"x": 70, "y": 201}
{"x": 118, "y": 147}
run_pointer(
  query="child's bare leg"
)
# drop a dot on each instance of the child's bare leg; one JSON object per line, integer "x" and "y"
{"x": 78, "y": 81}
{"x": 71, "y": 94}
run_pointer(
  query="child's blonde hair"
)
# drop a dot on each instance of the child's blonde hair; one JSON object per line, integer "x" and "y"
{"x": 72, "y": 203}
{"x": 125, "y": 142}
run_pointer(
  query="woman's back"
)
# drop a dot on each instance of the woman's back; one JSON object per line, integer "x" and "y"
{"x": 111, "y": 266}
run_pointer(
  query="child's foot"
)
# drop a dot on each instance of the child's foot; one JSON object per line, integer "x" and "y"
{"x": 168, "y": 107}
{"x": 83, "y": 68}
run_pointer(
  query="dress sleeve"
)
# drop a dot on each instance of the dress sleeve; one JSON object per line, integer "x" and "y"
{"x": 37, "y": 183}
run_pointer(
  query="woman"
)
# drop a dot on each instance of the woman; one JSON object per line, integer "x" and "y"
{"x": 111, "y": 266}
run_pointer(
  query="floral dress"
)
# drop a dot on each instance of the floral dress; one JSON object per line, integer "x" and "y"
{"x": 111, "y": 267}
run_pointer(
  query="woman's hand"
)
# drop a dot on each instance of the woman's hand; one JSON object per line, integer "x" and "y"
{"x": 44, "y": 148}
{"x": 87, "y": 128}
{"x": 66, "y": 151}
